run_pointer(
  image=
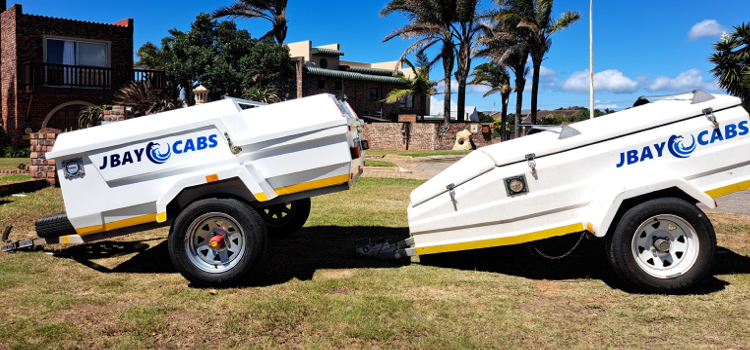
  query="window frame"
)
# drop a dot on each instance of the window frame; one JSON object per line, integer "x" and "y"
{"x": 375, "y": 90}
{"x": 78, "y": 40}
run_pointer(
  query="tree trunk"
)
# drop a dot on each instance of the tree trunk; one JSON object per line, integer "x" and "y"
{"x": 448, "y": 69}
{"x": 461, "y": 99}
{"x": 519, "y": 103}
{"x": 504, "y": 118}
{"x": 535, "y": 89}
{"x": 462, "y": 73}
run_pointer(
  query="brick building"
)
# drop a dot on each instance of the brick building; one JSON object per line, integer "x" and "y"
{"x": 321, "y": 70}
{"x": 51, "y": 67}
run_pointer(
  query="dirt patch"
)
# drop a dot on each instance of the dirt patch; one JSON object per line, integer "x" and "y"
{"x": 334, "y": 274}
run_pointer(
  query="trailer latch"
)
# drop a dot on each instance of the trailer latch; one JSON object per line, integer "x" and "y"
{"x": 531, "y": 160}
{"x": 709, "y": 113}
{"x": 235, "y": 150}
{"x": 452, "y": 192}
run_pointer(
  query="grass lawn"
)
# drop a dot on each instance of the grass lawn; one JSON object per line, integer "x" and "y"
{"x": 312, "y": 292}
{"x": 379, "y": 163}
{"x": 12, "y": 163}
{"x": 6, "y": 179}
{"x": 375, "y": 152}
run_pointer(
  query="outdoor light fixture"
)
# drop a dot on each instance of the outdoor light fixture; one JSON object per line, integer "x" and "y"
{"x": 515, "y": 185}
{"x": 73, "y": 168}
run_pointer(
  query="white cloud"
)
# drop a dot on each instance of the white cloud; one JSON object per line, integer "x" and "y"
{"x": 454, "y": 86}
{"x": 709, "y": 28}
{"x": 685, "y": 81}
{"x": 546, "y": 72}
{"x": 611, "y": 80}
{"x": 436, "y": 105}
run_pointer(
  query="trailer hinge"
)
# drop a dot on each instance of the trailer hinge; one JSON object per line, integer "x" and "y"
{"x": 709, "y": 113}
{"x": 234, "y": 149}
{"x": 531, "y": 160}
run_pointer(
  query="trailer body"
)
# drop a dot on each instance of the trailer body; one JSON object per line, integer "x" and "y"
{"x": 586, "y": 176}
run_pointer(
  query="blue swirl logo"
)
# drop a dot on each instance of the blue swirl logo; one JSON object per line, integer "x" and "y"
{"x": 678, "y": 149}
{"x": 154, "y": 154}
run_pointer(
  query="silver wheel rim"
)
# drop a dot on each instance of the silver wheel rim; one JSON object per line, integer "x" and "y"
{"x": 665, "y": 246}
{"x": 209, "y": 259}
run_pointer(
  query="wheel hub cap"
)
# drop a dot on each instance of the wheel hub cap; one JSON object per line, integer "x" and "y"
{"x": 665, "y": 246}
{"x": 217, "y": 242}
{"x": 214, "y": 242}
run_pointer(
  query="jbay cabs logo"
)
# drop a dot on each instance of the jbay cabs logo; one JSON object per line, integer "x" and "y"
{"x": 679, "y": 147}
{"x": 158, "y": 153}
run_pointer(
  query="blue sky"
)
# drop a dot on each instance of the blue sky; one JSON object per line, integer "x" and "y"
{"x": 640, "y": 47}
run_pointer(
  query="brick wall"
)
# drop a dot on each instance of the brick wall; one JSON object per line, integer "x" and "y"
{"x": 41, "y": 143}
{"x": 421, "y": 136}
{"x": 23, "y": 41}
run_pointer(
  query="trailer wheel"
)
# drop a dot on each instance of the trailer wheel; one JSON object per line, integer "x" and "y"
{"x": 282, "y": 220}
{"x": 664, "y": 244}
{"x": 217, "y": 241}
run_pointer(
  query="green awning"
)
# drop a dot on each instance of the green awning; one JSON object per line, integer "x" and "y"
{"x": 373, "y": 71}
{"x": 352, "y": 75}
{"x": 332, "y": 52}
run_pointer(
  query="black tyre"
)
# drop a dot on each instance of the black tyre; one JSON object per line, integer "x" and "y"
{"x": 282, "y": 220}
{"x": 664, "y": 245}
{"x": 56, "y": 225}
{"x": 217, "y": 241}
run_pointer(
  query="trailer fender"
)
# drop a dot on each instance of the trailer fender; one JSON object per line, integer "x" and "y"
{"x": 605, "y": 207}
{"x": 250, "y": 176}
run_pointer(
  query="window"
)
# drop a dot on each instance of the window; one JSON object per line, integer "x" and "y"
{"x": 373, "y": 94}
{"x": 407, "y": 102}
{"x": 77, "y": 53}
{"x": 71, "y": 52}
{"x": 321, "y": 84}
{"x": 337, "y": 85}
{"x": 323, "y": 63}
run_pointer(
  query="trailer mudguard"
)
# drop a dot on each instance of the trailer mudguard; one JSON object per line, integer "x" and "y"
{"x": 606, "y": 203}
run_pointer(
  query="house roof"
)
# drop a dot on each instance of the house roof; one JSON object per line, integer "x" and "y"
{"x": 352, "y": 75}
{"x": 332, "y": 52}
{"x": 541, "y": 114}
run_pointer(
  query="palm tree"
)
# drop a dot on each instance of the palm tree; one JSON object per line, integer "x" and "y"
{"x": 506, "y": 46}
{"x": 421, "y": 86}
{"x": 431, "y": 23}
{"x": 494, "y": 76}
{"x": 150, "y": 56}
{"x": 467, "y": 30}
{"x": 273, "y": 11}
{"x": 537, "y": 17}
{"x": 146, "y": 100}
{"x": 732, "y": 60}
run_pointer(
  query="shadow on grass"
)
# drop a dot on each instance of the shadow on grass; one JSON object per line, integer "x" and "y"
{"x": 298, "y": 256}
{"x": 332, "y": 247}
{"x": 589, "y": 260}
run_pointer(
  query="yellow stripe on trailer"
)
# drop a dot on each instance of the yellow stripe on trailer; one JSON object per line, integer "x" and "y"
{"x": 109, "y": 226}
{"x": 723, "y": 191}
{"x": 311, "y": 185}
{"x": 496, "y": 242}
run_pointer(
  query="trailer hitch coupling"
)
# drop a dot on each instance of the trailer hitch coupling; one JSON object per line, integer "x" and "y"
{"x": 384, "y": 249}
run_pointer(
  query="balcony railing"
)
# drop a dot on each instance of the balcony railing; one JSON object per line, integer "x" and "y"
{"x": 50, "y": 75}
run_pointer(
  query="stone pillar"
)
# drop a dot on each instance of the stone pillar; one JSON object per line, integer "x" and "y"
{"x": 117, "y": 114}
{"x": 41, "y": 167}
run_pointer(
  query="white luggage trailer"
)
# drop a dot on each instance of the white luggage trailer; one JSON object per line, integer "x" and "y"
{"x": 224, "y": 175}
{"x": 633, "y": 177}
